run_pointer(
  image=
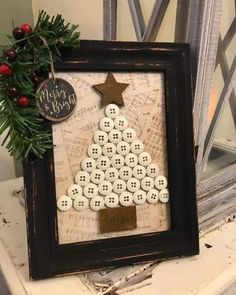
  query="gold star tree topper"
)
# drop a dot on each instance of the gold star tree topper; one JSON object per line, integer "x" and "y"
{"x": 111, "y": 90}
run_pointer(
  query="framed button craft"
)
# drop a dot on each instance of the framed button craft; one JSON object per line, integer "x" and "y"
{"x": 118, "y": 185}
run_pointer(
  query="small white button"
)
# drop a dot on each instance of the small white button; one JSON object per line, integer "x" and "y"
{"x": 88, "y": 164}
{"x": 160, "y": 182}
{"x": 126, "y": 199}
{"x": 147, "y": 183}
{"x": 125, "y": 173}
{"x": 129, "y": 135}
{"x": 105, "y": 188}
{"x": 119, "y": 186}
{"x": 100, "y": 137}
{"x": 144, "y": 159}
{"x": 152, "y": 170}
{"x": 74, "y": 191}
{"x": 152, "y": 196}
{"x": 131, "y": 160}
{"x": 94, "y": 151}
{"x": 97, "y": 176}
{"x": 111, "y": 174}
{"x": 90, "y": 190}
{"x": 112, "y": 111}
{"x": 137, "y": 147}
{"x": 80, "y": 203}
{"x": 97, "y": 203}
{"x": 106, "y": 124}
{"x": 139, "y": 171}
{"x": 123, "y": 148}
{"x": 139, "y": 197}
{"x": 121, "y": 123}
{"x": 64, "y": 203}
{"x": 133, "y": 184}
{"x": 82, "y": 178}
{"x": 103, "y": 162}
{"x": 115, "y": 136}
{"x": 109, "y": 149}
{"x": 117, "y": 161}
{"x": 164, "y": 195}
{"x": 111, "y": 200}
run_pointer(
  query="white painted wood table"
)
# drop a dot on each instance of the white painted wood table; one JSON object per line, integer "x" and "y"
{"x": 211, "y": 272}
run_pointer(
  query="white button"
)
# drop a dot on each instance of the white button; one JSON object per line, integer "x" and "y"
{"x": 152, "y": 196}
{"x": 80, "y": 203}
{"x": 160, "y": 182}
{"x": 64, "y": 203}
{"x": 103, "y": 163}
{"x": 106, "y": 124}
{"x": 82, "y": 178}
{"x": 139, "y": 197}
{"x": 133, "y": 184}
{"x": 115, "y": 136}
{"x": 112, "y": 111}
{"x": 131, "y": 160}
{"x": 97, "y": 203}
{"x": 129, "y": 135}
{"x": 126, "y": 199}
{"x": 125, "y": 172}
{"x": 74, "y": 191}
{"x": 144, "y": 159}
{"x": 111, "y": 200}
{"x": 111, "y": 174}
{"x": 119, "y": 186}
{"x": 109, "y": 149}
{"x": 90, "y": 190}
{"x": 164, "y": 195}
{"x": 94, "y": 151}
{"x": 100, "y": 137}
{"x": 137, "y": 147}
{"x": 88, "y": 164}
{"x": 147, "y": 183}
{"x": 123, "y": 148}
{"x": 121, "y": 123}
{"x": 97, "y": 176}
{"x": 105, "y": 188}
{"x": 117, "y": 161}
{"x": 152, "y": 170}
{"x": 139, "y": 171}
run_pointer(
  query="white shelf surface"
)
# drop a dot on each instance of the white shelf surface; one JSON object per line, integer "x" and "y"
{"x": 211, "y": 272}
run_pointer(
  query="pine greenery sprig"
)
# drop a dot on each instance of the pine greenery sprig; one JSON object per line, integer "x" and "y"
{"x": 24, "y": 127}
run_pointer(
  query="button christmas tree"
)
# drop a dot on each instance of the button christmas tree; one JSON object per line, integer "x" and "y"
{"x": 117, "y": 170}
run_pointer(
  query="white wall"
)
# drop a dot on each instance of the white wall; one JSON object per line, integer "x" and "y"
{"x": 89, "y": 15}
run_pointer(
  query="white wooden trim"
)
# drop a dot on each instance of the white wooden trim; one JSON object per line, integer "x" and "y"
{"x": 224, "y": 98}
{"x": 206, "y": 66}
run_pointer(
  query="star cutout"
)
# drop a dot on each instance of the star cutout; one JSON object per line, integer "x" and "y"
{"x": 111, "y": 90}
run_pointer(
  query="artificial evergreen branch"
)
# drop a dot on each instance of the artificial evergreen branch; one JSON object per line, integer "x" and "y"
{"x": 19, "y": 117}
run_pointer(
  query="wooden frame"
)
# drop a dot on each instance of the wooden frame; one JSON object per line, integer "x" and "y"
{"x": 46, "y": 257}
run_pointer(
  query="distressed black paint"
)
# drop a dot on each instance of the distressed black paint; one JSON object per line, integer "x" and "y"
{"x": 46, "y": 257}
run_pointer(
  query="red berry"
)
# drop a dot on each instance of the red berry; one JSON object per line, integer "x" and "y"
{"x": 5, "y": 70}
{"x": 23, "y": 101}
{"x": 11, "y": 54}
{"x": 13, "y": 90}
{"x": 26, "y": 28}
{"x": 18, "y": 33}
{"x": 36, "y": 79}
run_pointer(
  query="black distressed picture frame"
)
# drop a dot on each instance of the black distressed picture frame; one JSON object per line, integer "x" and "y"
{"x": 46, "y": 257}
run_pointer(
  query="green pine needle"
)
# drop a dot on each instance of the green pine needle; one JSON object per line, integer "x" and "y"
{"x": 25, "y": 133}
